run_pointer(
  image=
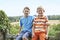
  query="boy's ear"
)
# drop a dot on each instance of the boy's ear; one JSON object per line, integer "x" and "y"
{"x": 29, "y": 11}
{"x": 36, "y": 11}
{"x": 23, "y": 11}
{"x": 43, "y": 10}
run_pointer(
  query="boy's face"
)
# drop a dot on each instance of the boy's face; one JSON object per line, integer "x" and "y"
{"x": 40, "y": 11}
{"x": 26, "y": 12}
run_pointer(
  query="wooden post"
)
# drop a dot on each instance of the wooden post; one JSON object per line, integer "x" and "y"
{"x": 12, "y": 39}
{"x": 1, "y": 35}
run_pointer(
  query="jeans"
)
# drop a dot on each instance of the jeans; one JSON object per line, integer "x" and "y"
{"x": 23, "y": 34}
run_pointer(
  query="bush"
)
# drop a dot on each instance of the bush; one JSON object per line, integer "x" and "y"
{"x": 4, "y": 21}
{"x": 57, "y": 36}
{"x": 53, "y": 29}
{"x": 14, "y": 29}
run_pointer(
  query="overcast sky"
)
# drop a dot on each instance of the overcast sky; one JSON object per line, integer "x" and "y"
{"x": 15, "y": 7}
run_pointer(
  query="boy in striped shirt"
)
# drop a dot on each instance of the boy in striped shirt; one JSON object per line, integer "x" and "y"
{"x": 40, "y": 25}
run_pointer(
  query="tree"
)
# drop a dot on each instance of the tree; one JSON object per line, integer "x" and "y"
{"x": 4, "y": 22}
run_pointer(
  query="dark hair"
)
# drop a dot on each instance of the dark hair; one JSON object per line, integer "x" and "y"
{"x": 26, "y": 8}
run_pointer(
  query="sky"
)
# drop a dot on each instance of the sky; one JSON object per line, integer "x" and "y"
{"x": 15, "y": 7}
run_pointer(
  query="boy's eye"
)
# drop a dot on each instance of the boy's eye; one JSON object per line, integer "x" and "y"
{"x": 26, "y": 11}
{"x": 39, "y": 10}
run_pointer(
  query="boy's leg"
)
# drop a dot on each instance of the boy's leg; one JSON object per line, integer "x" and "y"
{"x": 26, "y": 35}
{"x": 35, "y": 37}
{"x": 19, "y": 37}
{"x": 42, "y": 36}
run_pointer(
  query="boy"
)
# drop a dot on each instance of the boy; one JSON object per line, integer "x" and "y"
{"x": 40, "y": 25}
{"x": 26, "y": 25}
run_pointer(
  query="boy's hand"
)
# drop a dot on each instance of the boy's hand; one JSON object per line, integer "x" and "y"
{"x": 33, "y": 34}
{"x": 47, "y": 24}
{"x": 18, "y": 34}
{"x": 46, "y": 36}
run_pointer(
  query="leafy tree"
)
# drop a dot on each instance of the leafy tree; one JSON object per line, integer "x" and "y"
{"x": 4, "y": 22}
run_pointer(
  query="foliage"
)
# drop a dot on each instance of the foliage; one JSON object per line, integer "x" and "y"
{"x": 57, "y": 36}
{"x": 53, "y": 29}
{"x": 14, "y": 29}
{"x": 4, "y": 21}
{"x": 14, "y": 19}
{"x": 54, "y": 17}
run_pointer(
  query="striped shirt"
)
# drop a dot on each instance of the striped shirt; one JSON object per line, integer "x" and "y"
{"x": 40, "y": 24}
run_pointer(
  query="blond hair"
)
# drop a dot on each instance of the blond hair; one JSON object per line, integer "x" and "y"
{"x": 40, "y": 7}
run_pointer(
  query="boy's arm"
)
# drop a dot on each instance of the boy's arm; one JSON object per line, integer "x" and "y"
{"x": 33, "y": 29}
{"x": 20, "y": 27}
{"x": 47, "y": 27}
{"x": 47, "y": 30}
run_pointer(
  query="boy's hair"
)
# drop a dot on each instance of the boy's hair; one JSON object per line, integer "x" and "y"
{"x": 40, "y": 7}
{"x": 26, "y": 8}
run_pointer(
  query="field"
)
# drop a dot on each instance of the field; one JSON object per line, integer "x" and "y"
{"x": 51, "y": 22}
{"x": 54, "y": 22}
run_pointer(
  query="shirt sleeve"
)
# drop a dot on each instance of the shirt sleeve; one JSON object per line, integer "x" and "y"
{"x": 33, "y": 17}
